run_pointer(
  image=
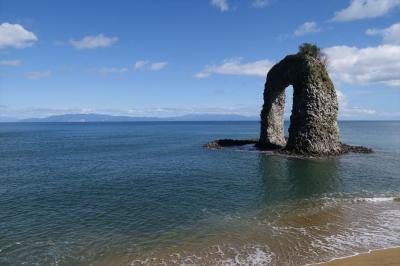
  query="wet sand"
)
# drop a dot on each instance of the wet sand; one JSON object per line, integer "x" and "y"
{"x": 384, "y": 257}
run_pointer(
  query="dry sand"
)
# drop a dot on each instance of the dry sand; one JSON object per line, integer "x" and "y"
{"x": 384, "y": 257}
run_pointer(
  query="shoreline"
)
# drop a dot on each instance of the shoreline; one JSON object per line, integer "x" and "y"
{"x": 379, "y": 257}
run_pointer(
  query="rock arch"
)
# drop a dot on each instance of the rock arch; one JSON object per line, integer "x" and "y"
{"x": 313, "y": 123}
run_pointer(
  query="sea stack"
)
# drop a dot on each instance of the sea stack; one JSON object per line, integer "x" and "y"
{"x": 313, "y": 126}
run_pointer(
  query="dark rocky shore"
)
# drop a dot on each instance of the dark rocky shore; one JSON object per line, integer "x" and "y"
{"x": 224, "y": 143}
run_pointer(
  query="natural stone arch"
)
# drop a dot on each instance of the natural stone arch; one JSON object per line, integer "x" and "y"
{"x": 313, "y": 127}
{"x": 313, "y": 122}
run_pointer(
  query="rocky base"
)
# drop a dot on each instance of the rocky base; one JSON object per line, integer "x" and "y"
{"x": 355, "y": 149}
{"x": 222, "y": 143}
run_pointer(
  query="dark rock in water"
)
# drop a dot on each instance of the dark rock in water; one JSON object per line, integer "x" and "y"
{"x": 355, "y": 149}
{"x": 313, "y": 123}
{"x": 220, "y": 143}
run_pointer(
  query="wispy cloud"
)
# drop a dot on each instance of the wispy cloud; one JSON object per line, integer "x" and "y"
{"x": 363, "y": 9}
{"x": 10, "y": 63}
{"x": 141, "y": 64}
{"x": 158, "y": 65}
{"x": 225, "y": 5}
{"x": 391, "y": 35}
{"x": 105, "y": 71}
{"x": 36, "y": 75}
{"x": 346, "y": 110}
{"x": 39, "y": 112}
{"x": 236, "y": 67}
{"x": 93, "y": 41}
{"x": 308, "y": 27}
{"x": 15, "y": 36}
{"x": 234, "y": 109}
{"x": 148, "y": 65}
{"x": 260, "y": 3}
{"x": 222, "y": 5}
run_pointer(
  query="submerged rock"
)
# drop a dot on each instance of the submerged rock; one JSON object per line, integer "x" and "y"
{"x": 313, "y": 123}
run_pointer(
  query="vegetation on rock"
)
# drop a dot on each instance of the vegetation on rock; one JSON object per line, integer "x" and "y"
{"x": 314, "y": 51}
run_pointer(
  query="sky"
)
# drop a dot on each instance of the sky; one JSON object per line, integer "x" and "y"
{"x": 174, "y": 57}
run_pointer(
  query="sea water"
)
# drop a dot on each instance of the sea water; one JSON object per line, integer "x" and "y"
{"x": 149, "y": 194}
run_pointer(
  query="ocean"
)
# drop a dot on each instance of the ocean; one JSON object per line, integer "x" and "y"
{"x": 148, "y": 193}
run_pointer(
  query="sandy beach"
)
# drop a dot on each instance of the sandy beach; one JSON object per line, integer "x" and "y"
{"x": 384, "y": 257}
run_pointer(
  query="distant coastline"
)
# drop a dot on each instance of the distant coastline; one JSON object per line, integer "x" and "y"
{"x": 94, "y": 117}
{"x": 111, "y": 118}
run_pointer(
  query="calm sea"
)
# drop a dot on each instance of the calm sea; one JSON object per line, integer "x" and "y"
{"x": 148, "y": 193}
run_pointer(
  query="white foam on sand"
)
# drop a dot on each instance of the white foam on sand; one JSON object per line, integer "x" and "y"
{"x": 226, "y": 256}
{"x": 376, "y": 229}
{"x": 256, "y": 256}
{"x": 378, "y": 199}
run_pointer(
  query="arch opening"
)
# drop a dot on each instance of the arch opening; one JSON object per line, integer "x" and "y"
{"x": 289, "y": 91}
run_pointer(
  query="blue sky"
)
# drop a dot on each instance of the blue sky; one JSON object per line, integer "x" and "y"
{"x": 163, "y": 58}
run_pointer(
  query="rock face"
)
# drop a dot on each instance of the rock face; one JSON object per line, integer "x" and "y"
{"x": 313, "y": 123}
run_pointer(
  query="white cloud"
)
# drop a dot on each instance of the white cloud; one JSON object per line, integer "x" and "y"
{"x": 158, "y": 65}
{"x": 222, "y": 5}
{"x": 260, "y": 3}
{"x": 36, "y": 75}
{"x": 147, "y": 65}
{"x": 14, "y": 35}
{"x": 11, "y": 63}
{"x": 362, "y": 9}
{"x": 141, "y": 64}
{"x": 90, "y": 42}
{"x": 380, "y": 64}
{"x": 236, "y": 67}
{"x": 391, "y": 35}
{"x": 307, "y": 28}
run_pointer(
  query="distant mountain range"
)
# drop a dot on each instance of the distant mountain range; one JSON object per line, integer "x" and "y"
{"x": 112, "y": 118}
